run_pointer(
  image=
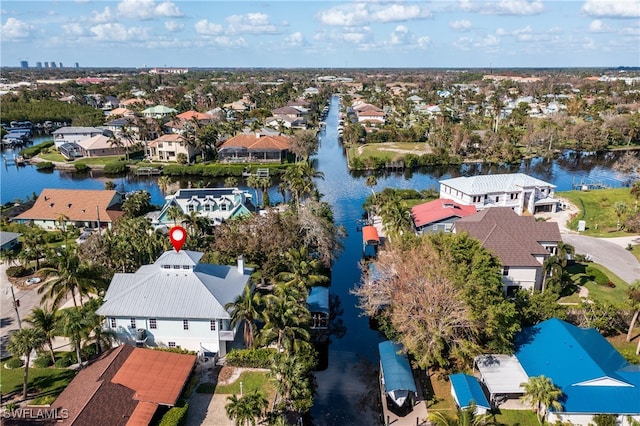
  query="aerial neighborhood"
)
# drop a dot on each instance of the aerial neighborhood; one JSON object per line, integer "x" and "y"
{"x": 285, "y": 247}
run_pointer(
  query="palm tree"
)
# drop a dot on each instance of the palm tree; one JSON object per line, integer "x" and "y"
{"x": 285, "y": 323}
{"x": 231, "y": 182}
{"x": 196, "y": 223}
{"x": 21, "y": 344}
{"x": 70, "y": 276}
{"x": 395, "y": 217}
{"x": 174, "y": 213}
{"x": 466, "y": 417}
{"x": 371, "y": 181}
{"x": 244, "y": 309}
{"x": 565, "y": 250}
{"x": 301, "y": 270}
{"x": 620, "y": 208}
{"x": 291, "y": 379}
{"x": 247, "y": 408}
{"x": 633, "y": 297}
{"x": 45, "y": 320}
{"x": 254, "y": 182}
{"x": 542, "y": 394}
{"x": 109, "y": 185}
{"x": 163, "y": 184}
{"x": 74, "y": 325}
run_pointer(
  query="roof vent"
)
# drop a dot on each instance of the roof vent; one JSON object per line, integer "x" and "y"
{"x": 51, "y": 205}
{"x": 69, "y": 205}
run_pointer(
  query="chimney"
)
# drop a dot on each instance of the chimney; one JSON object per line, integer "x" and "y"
{"x": 241, "y": 264}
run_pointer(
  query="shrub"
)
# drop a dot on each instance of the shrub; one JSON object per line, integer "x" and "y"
{"x": 176, "y": 416}
{"x": 35, "y": 150}
{"x": 115, "y": 167}
{"x": 44, "y": 400}
{"x": 597, "y": 275}
{"x": 81, "y": 167}
{"x": 43, "y": 361}
{"x": 65, "y": 361}
{"x": 253, "y": 358}
{"x": 14, "y": 363}
{"x": 45, "y": 165}
{"x": 89, "y": 351}
{"x": 181, "y": 158}
{"x": 17, "y": 271}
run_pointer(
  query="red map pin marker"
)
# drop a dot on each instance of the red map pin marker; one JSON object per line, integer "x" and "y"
{"x": 177, "y": 235}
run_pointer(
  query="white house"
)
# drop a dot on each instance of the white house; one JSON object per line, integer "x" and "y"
{"x": 521, "y": 244}
{"x": 517, "y": 191}
{"x": 216, "y": 204}
{"x": 73, "y": 134}
{"x": 175, "y": 302}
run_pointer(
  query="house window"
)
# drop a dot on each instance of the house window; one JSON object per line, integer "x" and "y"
{"x": 207, "y": 208}
{"x": 514, "y": 196}
{"x": 223, "y": 207}
{"x": 190, "y": 208}
{"x": 172, "y": 344}
{"x": 477, "y": 199}
{"x": 133, "y": 323}
{"x": 185, "y": 324}
{"x": 505, "y": 270}
{"x": 186, "y": 267}
{"x": 213, "y": 324}
{"x": 153, "y": 324}
{"x": 113, "y": 322}
{"x": 166, "y": 266}
{"x": 176, "y": 266}
{"x": 497, "y": 199}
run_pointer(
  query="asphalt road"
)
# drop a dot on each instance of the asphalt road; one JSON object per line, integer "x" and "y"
{"x": 610, "y": 255}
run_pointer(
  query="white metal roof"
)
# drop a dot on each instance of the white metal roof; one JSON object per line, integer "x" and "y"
{"x": 485, "y": 184}
{"x": 501, "y": 374}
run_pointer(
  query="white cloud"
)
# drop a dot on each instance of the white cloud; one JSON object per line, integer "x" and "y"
{"x": 523, "y": 34}
{"x": 402, "y": 36}
{"x": 597, "y": 26}
{"x": 501, "y": 32}
{"x": 173, "y": 26}
{"x": 612, "y": 8}
{"x": 207, "y": 28}
{"x": 147, "y": 9}
{"x": 102, "y": 17}
{"x": 254, "y": 23}
{"x": 118, "y": 33}
{"x": 73, "y": 30}
{"x": 295, "y": 40}
{"x": 224, "y": 41}
{"x": 461, "y": 25}
{"x": 589, "y": 44}
{"x": 629, "y": 31}
{"x": 488, "y": 42}
{"x": 503, "y": 7}
{"x": 15, "y": 29}
{"x": 366, "y": 13}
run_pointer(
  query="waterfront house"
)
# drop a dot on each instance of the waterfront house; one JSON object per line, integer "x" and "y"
{"x": 438, "y": 215}
{"x": 8, "y": 240}
{"x": 158, "y": 111}
{"x": 167, "y": 148}
{"x": 520, "y": 242}
{"x": 216, "y": 204}
{"x": 125, "y": 386}
{"x": 254, "y": 148}
{"x": 592, "y": 375}
{"x": 102, "y": 145}
{"x": 186, "y": 120}
{"x": 175, "y": 302}
{"x": 71, "y": 134}
{"x": 516, "y": 190}
{"x": 286, "y": 122}
{"x": 56, "y": 208}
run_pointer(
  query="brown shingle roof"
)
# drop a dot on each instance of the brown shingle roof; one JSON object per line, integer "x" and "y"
{"x": 76, "y": 204}
{"x": 258, "y": 142}
{"x": 514, "y": 239}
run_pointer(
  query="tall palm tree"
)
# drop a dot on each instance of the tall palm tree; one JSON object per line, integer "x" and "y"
{"x": 174, "y": 213}
{"x": 395, "y": 217}
{"x": 620, "y": 209}
{"x": 246, "y": 409}
{"x": 245, "y": 309}
{"x": 542, "y": 394}
{"x": 195, "y": 223}
{"x": 633, "y": 297}
{"x": 163, "y": 183}
{"x": 301, "y": 270}
{"x": 565, "y": 250}
{"x": 286, "y": 321}
{"x": 290, "y": 378}
{"x": 21, "y": 343}
{"x": 70, "y": 275}
{"x": 74, "y": 325}
{"x": 466, "y": 417}
{"x": 45, "y": 320}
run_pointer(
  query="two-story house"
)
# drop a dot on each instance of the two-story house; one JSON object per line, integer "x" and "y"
{"x": 516, "y": 190}
{"x": 520, "y": 243}
{"x": 167, "y": 147}
{"x": 73, "y": 134}
{"x": 175, "y": 302}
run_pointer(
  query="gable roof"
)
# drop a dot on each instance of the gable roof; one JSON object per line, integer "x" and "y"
{"x": 6, "y": 237}
{"x": 159, "y": 109}
{"x": 468, "y": 391}
{"x": 76, "y": 130}
{"x": 102, "y": 142}
{"x": 484, "y": 184}
{"x": 286, "y": 110}
{"x": 514, "y": 239}
{"x": 77, "y": 204}
{"x": 130, "y": 381}
{"x": 257, "y": 141}
{"x": 190, "y": 115}
{"x": 437, "y": 210}
{"x": 593, "y": 375}
{"x": 175, "y": 286}
{"x": 396, "y": 370}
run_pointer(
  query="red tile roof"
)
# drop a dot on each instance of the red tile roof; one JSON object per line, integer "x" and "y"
{"x": 437, "y": 210}
{"x": 370, "y": 235}
{"x": 189, "y": 115}
{"x": 83, "y": 205}
{"x": 258, "y": 142}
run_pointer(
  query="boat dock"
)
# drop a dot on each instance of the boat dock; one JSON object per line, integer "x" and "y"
{"x": 417, "y": 417}
{"x": 587, "y": 185}
{"x": 148, "y": 171}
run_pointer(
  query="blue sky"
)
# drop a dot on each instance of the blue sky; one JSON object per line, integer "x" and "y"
{"x": 465, "y": 33}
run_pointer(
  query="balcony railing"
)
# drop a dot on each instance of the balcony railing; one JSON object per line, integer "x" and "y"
{"x": 227, "y": 336}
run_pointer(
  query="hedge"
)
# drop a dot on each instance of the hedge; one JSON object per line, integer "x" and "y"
{"x": 115, "y": 167}
{"x": 32, "y": 151}
{"x": 43, "y": 361}
{"x": 17, "y": 271}
{"x": 45, "y": 165}
{"x": 14, "y": 363}
{"x": 220, "y": 170}
{"x": 176, "y": 416}
{"x": 597, "y": 275}
{"x": 81, "y": 167}
{"x": 251, "y": 358}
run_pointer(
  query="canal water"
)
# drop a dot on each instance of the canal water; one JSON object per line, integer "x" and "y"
{"x": 347, "y": 389}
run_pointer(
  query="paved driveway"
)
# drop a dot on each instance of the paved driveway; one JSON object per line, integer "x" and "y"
{"x": 608, "y": 254}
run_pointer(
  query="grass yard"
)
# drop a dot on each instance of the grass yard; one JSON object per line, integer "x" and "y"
{"x": 616, "y": 295}
{"x": 596, "y": 208}
{"x": 627, "y": 349}
{"x": 441, "y": 389}
{"x": 389, "y": 151}
{"x": 42, "y": 381}
{"x": 516, "y": 418}
{"x": 52, "y": 156}
{"x": 251, "y": 380}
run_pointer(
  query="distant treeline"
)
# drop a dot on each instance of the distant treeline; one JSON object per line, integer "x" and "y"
{"x": 13, "y": 108}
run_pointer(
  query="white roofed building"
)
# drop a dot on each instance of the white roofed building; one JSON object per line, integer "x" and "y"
{"x": 516, "y": 190}
{"x": 175, "y": 302}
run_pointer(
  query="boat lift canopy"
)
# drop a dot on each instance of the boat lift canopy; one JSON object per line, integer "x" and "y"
{"x": 396, "y": 372}
{"x": 370, "y": 235}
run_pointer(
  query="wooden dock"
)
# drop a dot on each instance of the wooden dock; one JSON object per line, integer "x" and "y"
{"x": 417, "y": 417}
{"x": 148, "y": 171}
{"x": 588, "y": 185}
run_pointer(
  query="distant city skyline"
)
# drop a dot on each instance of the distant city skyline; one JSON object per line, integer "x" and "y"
{"x": 329, "y": 34}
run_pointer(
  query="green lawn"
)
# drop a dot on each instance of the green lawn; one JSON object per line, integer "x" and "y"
{"x": 251, "y": 380}
{"x": 516, "y": 418}
{"x": 388, "y": 151}
{"x": 616, "y": 295}
{"x": 44, "y": 381}
{"x": 52, "y": 156}
{"x": 596, "y": 208}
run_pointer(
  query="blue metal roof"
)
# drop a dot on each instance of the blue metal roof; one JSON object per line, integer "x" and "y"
{"x": 468, "y": 391}
{"x": 396, "y": 370}
{"x": 593, "y": 375}
{"x": 318, "y": 299}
